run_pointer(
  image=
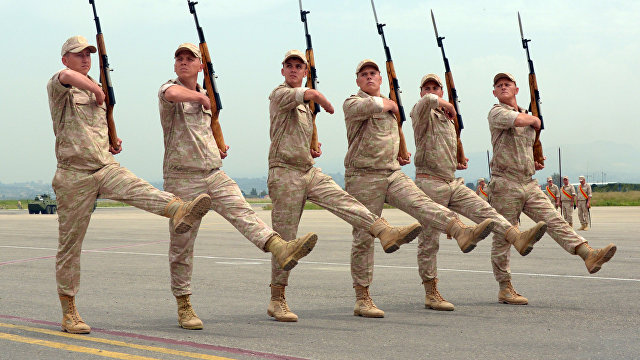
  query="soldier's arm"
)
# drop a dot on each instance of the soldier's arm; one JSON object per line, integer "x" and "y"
{"x": 357, "y": 108}
{"x": 287, "y": 98}
{"x": 317, "y": 97}
{"x": 76, "y": 79}
{"x": 527, "y": 120}
{"x": 177, "y": 93}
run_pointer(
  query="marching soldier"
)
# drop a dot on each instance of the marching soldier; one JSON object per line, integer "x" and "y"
{"x": 192, "y": 164}
{"x": 436, "y": 163}
{"x": 87, "y": 170}
{"x": 568, "y": 200}
{"x": 553, "y": 193}
{"x": 481, "y": 190}
{"x": 373, "y": 176}
{"x": 293, "y": 179}
{"x": 514, "y": 191}
{"x": 584, "y": 203}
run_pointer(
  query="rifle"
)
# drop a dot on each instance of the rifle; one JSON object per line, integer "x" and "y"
{"x": 534, "y": 105}
{"x": 489, "y": 165}
{"x": 209, "y": 83}
{"x": 560, "y": 169}
{"x": 105, "y": 80}
{"x": 394, "y": 88}
{"x": 453, "y": 95}
{"x": 312, "y": 78}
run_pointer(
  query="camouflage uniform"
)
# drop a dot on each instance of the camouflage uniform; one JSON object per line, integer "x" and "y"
{"x": 552, "y": 193}
{"x": 583, "y": 211}
{"x": 373, "y": 176}
{"x": 192, "y": 167}
{"x": 292, "y": 177}
{"x": 86, "y": 170}
{"x": 483, "y": 193}
{"x": 436, "y": 140}
{"x": 514, "y": 191}
{"x": 567, "y": 202}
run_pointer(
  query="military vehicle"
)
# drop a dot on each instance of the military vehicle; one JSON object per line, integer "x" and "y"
{"x": 42, "y": 204}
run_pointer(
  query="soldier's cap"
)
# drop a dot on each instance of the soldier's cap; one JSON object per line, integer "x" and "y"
{"x": 366, "y": 62}
{"x": 549, "y": 178}
{"x": 294, "y": 53}
{"x": 565, "y": 177}
{"x": 581, "y": 177}
{"x": 503, "y": 75}
{"x": 481, "y": 180}
{"x": 430, "y": 77}
{"x": 75, "y": 44}
{"x": 190, "y": 48}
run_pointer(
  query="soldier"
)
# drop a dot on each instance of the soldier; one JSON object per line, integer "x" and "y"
{"x": 584, "y": 203}
{"x": 553, "y": 192}
{"x": 568, "y": 197}
{"x": 87, "y": 170}
{"x": 192, "y": 164}
{"x": 514, "y": 191}
{"x": 481, "y": 190}
{"x": 436, "y": 163}
{"x": 293, "y": 179}
{"x": 373, "y": 176}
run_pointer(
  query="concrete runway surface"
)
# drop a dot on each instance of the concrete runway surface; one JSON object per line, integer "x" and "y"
{"x": 126, "y": 298}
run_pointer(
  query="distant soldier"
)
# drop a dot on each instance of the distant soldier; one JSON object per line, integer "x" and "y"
{"x": 481, "y": 190}
{"x": 568, "y": 198}
{"x": 19, "y": 205}
{"x": 553, "y": 193}
{"x": 584, "y": 203}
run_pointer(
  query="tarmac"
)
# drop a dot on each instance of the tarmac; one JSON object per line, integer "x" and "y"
{"x": 125, "y": 295}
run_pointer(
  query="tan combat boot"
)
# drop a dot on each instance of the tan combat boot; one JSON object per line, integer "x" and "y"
{"x": 278, "y": 307}
{"x": 392, "y": 237}
{"x": 523, "y": 241}
{"x": 433, "y": 299}
{"x": 187, "y": 318}
{"x": 184, "y": 214}
{"x": 71, "y": 320}
{"x": 288, "y": 253}
{"x": 594, "y": 258}
{"x": 508, "y": 295}
{"x": 364, "y": 304}
{"x": 468, "y": 236}
{"x": 586, "y": 227}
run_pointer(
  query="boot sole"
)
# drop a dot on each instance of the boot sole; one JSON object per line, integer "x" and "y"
{"x": 485, "y": 232}
{"x": 357, "y": 313}
{"x": 199, "y": 208}
{"x": 512, "y": 303}
{"x": 538, "y": 235}
{"x": 192, "y": 327}
{"x": 280, "y": 319}
{"x": 64, "y": 329}
{"x": 304, "y": 250}
{"x": 405, "y": 240}
{"x": 437, "y": 308}
{"x": 598, "y": 265}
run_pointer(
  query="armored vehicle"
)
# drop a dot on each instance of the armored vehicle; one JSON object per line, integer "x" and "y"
{"x": 42, "y": 204}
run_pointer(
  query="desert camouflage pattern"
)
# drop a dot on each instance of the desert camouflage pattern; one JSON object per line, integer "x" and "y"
{"x": 189, "y": 145}
{"x": 567, "y": 202}
{"x": 228, "y": 201}
{"x": 435, "y": 138}
{"x": 289, "y": 190}
{"x": 76, "y": 192}
{"x": 291, "y": 129}
{"x": 482, "y": 195}
{"x": 373, "y": 190}
{"x": 554, "y": 190}
{"x": 583, "y": 211}
{"x": 82, "y": 141}
{"x": 372, "y": 135}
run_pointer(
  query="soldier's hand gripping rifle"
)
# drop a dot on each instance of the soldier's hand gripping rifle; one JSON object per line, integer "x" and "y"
{"x": 312, "y": 77}
{"x": 535, "y": 99}
{"x": 210, "y": 83}
{"x": 394, "y": 88}
{"x": 453, "y": 95}
{"x": 105, "y": 80}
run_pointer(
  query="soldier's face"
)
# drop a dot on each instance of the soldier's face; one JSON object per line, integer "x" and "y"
{"x": 294, "y": 70}
{"x": 187, "y": 65}
{"x": 550, "y": 182}
{"x": 582, "y": 181}
{"x": 369, "y": 80}
{"x": 565, "y": 181}
{"x": 431, "y": 87}
{"x": 505, "y": 90}
{"x": 80, "y": 62}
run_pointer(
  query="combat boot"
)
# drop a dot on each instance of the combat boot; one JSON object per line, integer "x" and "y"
{"x": 468, "y": 236}
{"x": 71, "y": 320}
{"x": 392, "y": 237}
{"x": 184, "y": 214}
{"x": 433, "y": 299}
{"x": 594, "y": 258}
{"x": 586, "y": 227}
{"x": 278, "y": 307}
{"x": 364, "y": 304}
{"x": 508, "y": 295}
{"x": 287, "y": 253}
{"x": 187, "y": 318}
{"x": 524, "y": 241}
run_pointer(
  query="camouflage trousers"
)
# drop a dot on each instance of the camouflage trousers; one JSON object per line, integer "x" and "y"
{"x": 228, "y": 201}
{"x": 567, "y": 212}
{"x": 583, "y": 212}
{"x": 511, "y": 198}
{"x": 76, "y": 193}
{"x": 458, "y": 197}
{"x": 289, "y": 189}
{"x": 373, "y": 190}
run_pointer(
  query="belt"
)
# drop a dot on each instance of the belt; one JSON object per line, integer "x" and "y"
{"x": 432, "y": 177}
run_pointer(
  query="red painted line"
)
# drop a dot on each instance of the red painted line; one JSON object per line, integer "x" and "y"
{"x": 192, "y": 344}
{"x": 92, "y": 250}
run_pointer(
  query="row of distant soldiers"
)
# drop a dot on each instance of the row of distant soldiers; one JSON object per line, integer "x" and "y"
{"x": 565, "y": 198}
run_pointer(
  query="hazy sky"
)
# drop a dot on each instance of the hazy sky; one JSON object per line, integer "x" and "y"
{"x": 585, "y": 55}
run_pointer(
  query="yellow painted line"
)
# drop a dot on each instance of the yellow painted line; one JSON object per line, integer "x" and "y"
{"x": 74, "y": 348}
{"x": 117, "y": 343}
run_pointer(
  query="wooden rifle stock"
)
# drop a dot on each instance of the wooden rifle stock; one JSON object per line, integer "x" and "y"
{"x": 395, "y": 97}
{"x": 315, "y": 109}
{"x": 216, "y": 129}
{"x": 538, "y": 156}
{"x": 460, "y": 157}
